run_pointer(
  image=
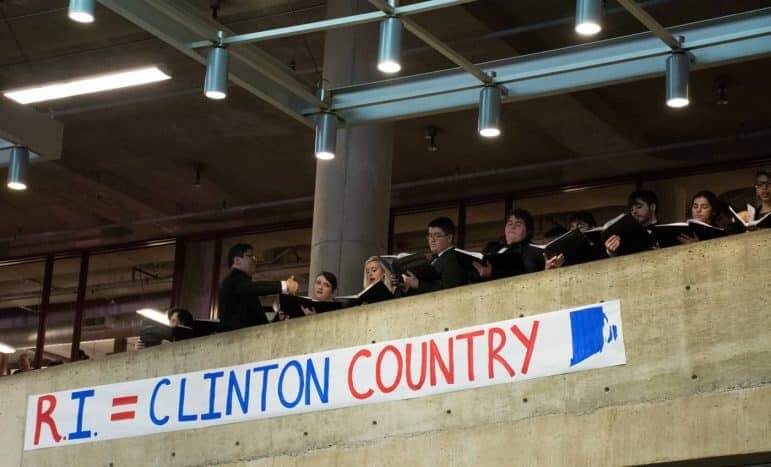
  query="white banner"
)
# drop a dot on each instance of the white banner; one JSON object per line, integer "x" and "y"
{"x": 507, "y": 351}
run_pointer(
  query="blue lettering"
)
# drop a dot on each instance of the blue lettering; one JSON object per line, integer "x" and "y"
{"x": 265, "y": 369}
{"x": 310, "y": 376}
{"x": 243, "y": 397}
{"x": 156, "y": 420}
{"x": 212, "y": 377}
{"x": 284, "y": 402}
{"x": 79, "y": 432}
{"x": 181, "y": 411}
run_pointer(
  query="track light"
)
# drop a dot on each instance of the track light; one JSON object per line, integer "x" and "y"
{"x": 588, "y": 15}
{"x": 489, "y": 123}
{"x": 390, "y": 51}
{"x": 677, "y": 80}
{"x": 17, "y": 170}
{"x": 216, "y": 83}
{"x": 6, "y": 349}
{"x": 154, "y": 315}
{"x": 81, "y": 11}
{"x": 326, "y": 136}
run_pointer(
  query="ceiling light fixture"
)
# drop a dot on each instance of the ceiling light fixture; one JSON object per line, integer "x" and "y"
{"x": 77, "y": 87}
{"x": 17, "y": 170}
{"x": 215, "y": 85}
{"x": 677, "y": 78}
{"x": 154, "y": 315}
{"x": 390, "y": 50}
{"x": 7, "y": 349}
{"x": 489, "y": 122}
{"x": 326, "y": 136}
{"x": 588, "y": 16}
{"x": 81, "y": 11}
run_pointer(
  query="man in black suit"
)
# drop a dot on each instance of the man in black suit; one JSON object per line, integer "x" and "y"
{"x": 239, "y": 296}
{"x": 441, "y": 233}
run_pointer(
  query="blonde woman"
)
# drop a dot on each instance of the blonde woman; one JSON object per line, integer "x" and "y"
{"x": 374, "y": 271}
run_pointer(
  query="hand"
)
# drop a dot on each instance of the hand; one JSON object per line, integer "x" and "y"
{"x": 292, "y": 286}
{"x": 282, "y": 316}
{"x": 612, "y": 244}
{"x": 308, "y": 310}
{"x": 685, "y": 239}
{"x": 139, "y": 344}
{"x": 396, "y": 281}
{"x": 410, "y": 281}
{"x": 485, "y": 270}
{"x": 555, "y": 261}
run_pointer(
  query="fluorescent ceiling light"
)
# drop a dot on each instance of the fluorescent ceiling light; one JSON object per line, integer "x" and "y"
{"x": 90, "y": 85}
{"x": 6, "y": 348}
{"x": 155, "y": 315}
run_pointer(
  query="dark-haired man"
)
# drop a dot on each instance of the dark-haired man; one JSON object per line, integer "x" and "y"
{"x": 239, "y": 296}
{"x": 642, "y": 206}
{"x": 441, "y": 234}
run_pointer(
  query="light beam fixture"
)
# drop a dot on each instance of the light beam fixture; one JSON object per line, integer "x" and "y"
{"x": 154, "y": 315}
{"x": 678, "y": 68}
{"x": 17, "y": 170}
{"x": 489, "y": 122}
{"x": 7, "y": 349}
{"x": 94, "y": 84}
{"x": 390, "y": 50}
{"x": 588, "y": 15}
{"x": 215, "y": 85}
{"x": 81, "y": 11}
{"x": 326, "y": 136}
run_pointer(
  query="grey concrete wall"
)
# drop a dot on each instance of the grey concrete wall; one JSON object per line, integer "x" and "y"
{"x": 697, "y": 328}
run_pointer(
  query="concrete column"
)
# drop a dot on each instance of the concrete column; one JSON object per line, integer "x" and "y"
{"x": 196, "y": 287}
{"x": 353, "y": 191}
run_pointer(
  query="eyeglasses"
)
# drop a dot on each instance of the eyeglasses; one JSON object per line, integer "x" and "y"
{"x": 435, "y": 236}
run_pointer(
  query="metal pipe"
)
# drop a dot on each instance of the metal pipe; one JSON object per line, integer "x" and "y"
{"x": 80, "y": 307}
{"x": 334, "y": 23}
{"x": 44, "y": 304}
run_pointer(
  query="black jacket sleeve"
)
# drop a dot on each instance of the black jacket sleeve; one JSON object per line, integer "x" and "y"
{"x": 253, "y": 290}
{"x": 451, "y": 273}
{"x": 532, "y": 259}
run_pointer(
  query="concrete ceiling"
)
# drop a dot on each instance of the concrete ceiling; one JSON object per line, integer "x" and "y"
{"x": 132, "y": 154}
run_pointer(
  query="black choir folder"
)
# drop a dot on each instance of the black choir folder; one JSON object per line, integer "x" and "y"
{"x": 634, "y": 237}
{"x": 573, "y": 244}
{"x": 291, "y": 304}
{"x": 666, "y": 234}
{"x": 200, "y": 328}
{"x": 504, "y": 260}
{"x": 416, "y": 263}
{"x": 762, "y": 223}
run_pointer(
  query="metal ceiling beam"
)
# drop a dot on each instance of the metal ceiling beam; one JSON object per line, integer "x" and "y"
{"x": 434, "y": 42}
{"x": 250, "y": 68}
{"x": 650, "y": 22}
{"x": 328, "y": 24}
{"x": 713, "y": 42}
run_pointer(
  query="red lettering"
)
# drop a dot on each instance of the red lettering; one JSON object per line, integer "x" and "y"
{"x": 469, "y": 336}
{"x": 397, "y": 378}
{"x": 528, "y": 342}
{"x": 447, "y": 370}
{"x": 351, "y": 388}
{"x": 494, "y": 350}
{"x": 44, "y": 416}
{"x": 408, "y": 370}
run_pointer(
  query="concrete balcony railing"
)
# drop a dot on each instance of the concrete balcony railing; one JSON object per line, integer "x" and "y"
{"x": 696, "y": 385}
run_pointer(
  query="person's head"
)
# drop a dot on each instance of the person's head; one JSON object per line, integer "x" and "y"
{"x": 179, "y": 316}
{"x": 705, "y": 207}
{"x": 519, "y": 226}
{"x": 761, "y": 187}
{"x": 325, "y": 286}
{"x": 373, "y": 271}
{"x": 25, "y": 361}
{"x": 441, "y": 234}
{"x": 643, "y": 206}
{"x": 241, "y": 257}
{"x": 582, "y": 220}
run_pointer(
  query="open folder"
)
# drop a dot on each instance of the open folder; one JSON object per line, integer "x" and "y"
{"x": 762, "y": 223}
{"x": 634, "y": 237}
{"x": 416, "y": 263}
{"x": 667, "y": 234}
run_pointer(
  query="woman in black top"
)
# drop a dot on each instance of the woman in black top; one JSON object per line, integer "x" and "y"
{"x": 523, "y": 257}
{"x": 705, "y": 207}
